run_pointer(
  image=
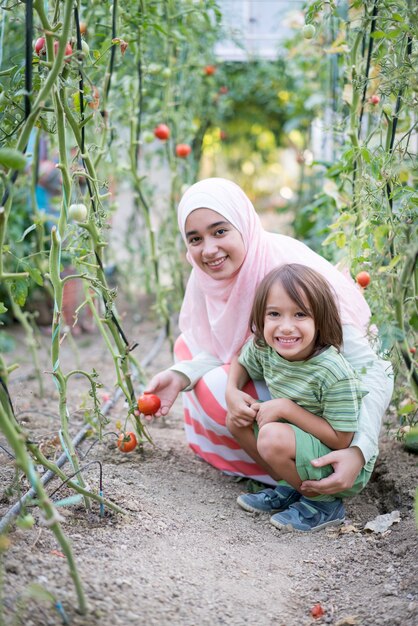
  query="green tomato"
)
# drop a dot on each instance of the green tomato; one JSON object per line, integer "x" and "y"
{"x": 77, "y": 212}
{"x": 308, "y": 31}
{"x": 13, "y": 159}
{"x": 148, "y": 137}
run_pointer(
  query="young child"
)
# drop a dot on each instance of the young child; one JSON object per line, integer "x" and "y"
{"x": 316, "y": 396}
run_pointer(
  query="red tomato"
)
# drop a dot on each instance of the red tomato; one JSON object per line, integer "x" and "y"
{"x": 374, "y": 99}
{"x": 162, "y": 132}
{"x": 223, "y": 89}
{"x": 40, "y": 46}
{"x": 127, "y": 442}
{"x": 223, "y": 135}
{"x": 209, "y": 70}
{"x": 68, "y": 50}
{"x": 317, "y": 611}
{"x": 363, "y": 279}
{"x": 412, "y": 350}
{"x": 149, "y": 403}
{"x": 183, "y": 150}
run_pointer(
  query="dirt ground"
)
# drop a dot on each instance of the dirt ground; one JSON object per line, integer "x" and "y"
{"x": 184, "y": 553}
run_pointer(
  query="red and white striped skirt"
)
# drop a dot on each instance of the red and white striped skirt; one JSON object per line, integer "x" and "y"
{"x": 204, "y": 420}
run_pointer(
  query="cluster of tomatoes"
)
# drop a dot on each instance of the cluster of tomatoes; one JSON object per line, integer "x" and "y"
{"x": 148, "y": 404}
{"x": 162, "y": 132}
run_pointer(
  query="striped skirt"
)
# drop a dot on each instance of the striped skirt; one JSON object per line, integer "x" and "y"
{"x": 204, "y": 420}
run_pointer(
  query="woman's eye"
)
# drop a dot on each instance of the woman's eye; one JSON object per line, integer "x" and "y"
{"x": 193, "y": 241}
{"x": 221, "y": 231}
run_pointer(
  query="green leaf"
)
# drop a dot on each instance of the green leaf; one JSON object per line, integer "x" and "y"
{"x": 35, "y": 274}
{"x": 39, "y": 593}
{"x": 19, "y": 290}
{"x": 381, "y": 237}
{"x": 2, "y": 308}
{"x": 27, "y": 231}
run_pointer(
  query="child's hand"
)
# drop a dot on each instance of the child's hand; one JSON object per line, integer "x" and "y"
{"x": 266, "y": 412}
{"x": 240, "y": 409}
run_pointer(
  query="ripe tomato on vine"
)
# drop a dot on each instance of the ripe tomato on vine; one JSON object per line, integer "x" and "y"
{"x": 162, "y": 132}
{"x": 127, "y": 442}
{"x": 363, "y": 279}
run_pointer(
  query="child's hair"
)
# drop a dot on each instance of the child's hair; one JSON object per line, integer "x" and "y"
{"x": 299, "y": 282}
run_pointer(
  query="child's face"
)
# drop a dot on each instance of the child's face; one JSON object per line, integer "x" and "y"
{"x": 287, "y": 329}
{"x": 214, "y": 244}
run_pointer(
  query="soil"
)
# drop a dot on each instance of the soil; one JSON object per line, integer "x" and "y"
{"x": 184, "y": 553}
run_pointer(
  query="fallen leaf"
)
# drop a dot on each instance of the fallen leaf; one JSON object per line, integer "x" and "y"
{"x": 57, "y": 553}
{"x": 349, "y": 528}
{"x": 381, "y": 523}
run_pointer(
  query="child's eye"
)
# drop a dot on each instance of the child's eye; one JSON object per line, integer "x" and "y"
{"x": 273, "y": 314}
{"x": 300, "y": 315}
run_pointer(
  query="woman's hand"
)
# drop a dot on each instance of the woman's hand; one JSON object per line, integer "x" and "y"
{"x": 167, "y": 386}
{"x": 240, "y": 410}
{"x": 347, "y": 464}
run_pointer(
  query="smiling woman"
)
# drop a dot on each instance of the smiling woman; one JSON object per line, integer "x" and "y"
{"x": 214, "y": 244}
{"x": 230, "y": 254}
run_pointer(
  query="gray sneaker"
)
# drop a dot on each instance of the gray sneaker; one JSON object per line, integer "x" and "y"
{"x": 310, "y": 515}
{"x": 269, "y": 500}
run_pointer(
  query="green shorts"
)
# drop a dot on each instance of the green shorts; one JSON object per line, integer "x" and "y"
{"x": 309, "y": 447}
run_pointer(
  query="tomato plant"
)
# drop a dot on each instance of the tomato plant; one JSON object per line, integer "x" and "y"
{"x": 149, "y": 403}
{"x": 127, "y": 442}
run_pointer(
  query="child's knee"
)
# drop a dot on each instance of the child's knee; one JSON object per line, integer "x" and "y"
{"x": 273, "y": 441}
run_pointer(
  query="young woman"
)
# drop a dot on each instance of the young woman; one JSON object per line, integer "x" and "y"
{"x": 316, "y": 395}
{"x": 230, "y": 254}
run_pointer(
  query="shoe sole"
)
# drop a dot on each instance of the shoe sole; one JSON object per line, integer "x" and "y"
{"x": 252, "y": 509}
{"x": 288, "y": 528}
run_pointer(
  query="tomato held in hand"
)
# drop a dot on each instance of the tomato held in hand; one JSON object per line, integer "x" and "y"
{"x": 363, "y": 279}
{"x": 149, "y": 403}
{"x": 127, "y": 442}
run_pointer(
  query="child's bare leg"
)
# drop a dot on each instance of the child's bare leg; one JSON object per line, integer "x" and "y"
{"x": 244, "y": 435}
{"x": 276, "y": 445}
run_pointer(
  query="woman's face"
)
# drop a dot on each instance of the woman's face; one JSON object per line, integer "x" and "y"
{"x": 214, "y": 244}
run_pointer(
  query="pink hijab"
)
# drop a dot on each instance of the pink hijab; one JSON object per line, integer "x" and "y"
{"x": 215, "y": 313}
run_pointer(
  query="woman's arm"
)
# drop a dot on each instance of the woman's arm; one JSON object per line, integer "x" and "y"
{"x": 378, "y": 380}
{"x": 283, "y": 408}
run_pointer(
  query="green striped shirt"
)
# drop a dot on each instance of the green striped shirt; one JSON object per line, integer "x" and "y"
{"x": 325, "y": 384}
